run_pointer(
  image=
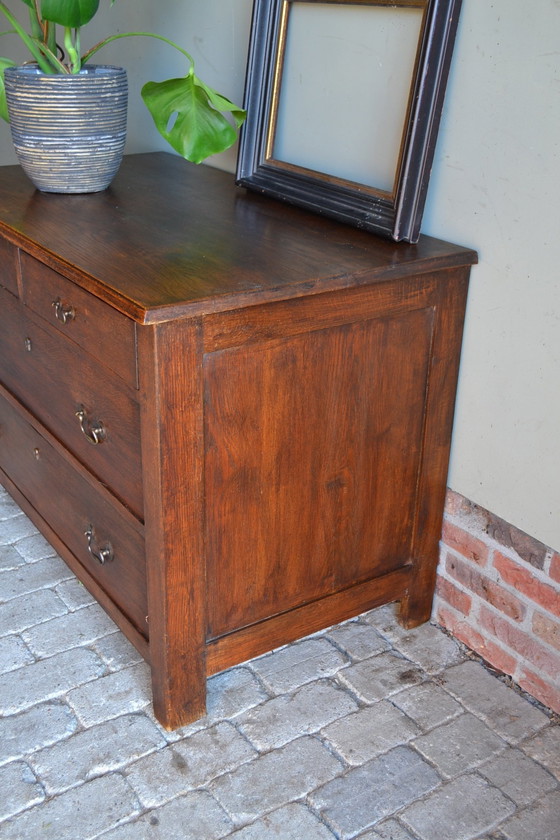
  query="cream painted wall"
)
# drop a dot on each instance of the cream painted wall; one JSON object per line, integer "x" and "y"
{"x": 495, "y": 186}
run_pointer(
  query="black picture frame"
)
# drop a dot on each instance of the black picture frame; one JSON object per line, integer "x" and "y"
{"x": 393, "y": 211}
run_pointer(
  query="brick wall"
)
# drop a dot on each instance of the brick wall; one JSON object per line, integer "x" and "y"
{"x": 498, "y": 591}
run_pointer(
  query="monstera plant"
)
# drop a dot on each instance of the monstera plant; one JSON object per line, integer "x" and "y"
{"x": 189, "y": 114}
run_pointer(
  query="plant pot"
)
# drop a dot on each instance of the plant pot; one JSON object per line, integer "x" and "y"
{"x": 68, "y": 131}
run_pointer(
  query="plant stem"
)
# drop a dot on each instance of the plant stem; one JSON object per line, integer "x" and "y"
{"x": 32, "y": 45}
{"x": 108, "y": 40}
{"x": 72, "y": 50}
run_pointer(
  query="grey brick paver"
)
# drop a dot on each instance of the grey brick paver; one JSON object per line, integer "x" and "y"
{"x": 79, "y": 814}
{"x": 16, "y": 528}
{"x": 291, "y": 715}
{"x": 358, "y": 639}
{"x": 116, "y": 651}
{"x": 427, "y": 646}
{"x": 520, "y": 778}
{"x": 20, "y": 613}
{"x": 34, "y": 547}
{"x": 10, "y": 558}
{"x": 74, "y": 594}
{"x": 361, "y": 736}
{"x": 188, "y": 764}
{"x": 293, "y": 666}
{"x": 274, "y": 779}
{"x": 29, "y": 578}
{"x": 93, "y": 752}
{"x": 387, "y": 830}
{"x": 460, "y": 745}
{"x": 379, "y": 677}
{"x": 69, "y": 631}
{"x": 545, "y": 748}
{"x": 47, "y": 679}
{"x": 20, "y": 789}
{"x": 113, "y": 695}
{"x": 13, "y": 654}
{"x": 195, "y": 816}
{"x": 233, "y": 692}
{"x": 23, "y": 734}
{"x": 427, "y": 704}
{"x": 365, "y": 795}
{"x": 8, "y": 508}
{"x": 541, "y": 820}
{"x": 505, "y": 711}
{"x": 293, "y": 822}
{"x": 462, "y": 809}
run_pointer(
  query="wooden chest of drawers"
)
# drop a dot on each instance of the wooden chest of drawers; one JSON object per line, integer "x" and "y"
{"x": 231, "y": 418}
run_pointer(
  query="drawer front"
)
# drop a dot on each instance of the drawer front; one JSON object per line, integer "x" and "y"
{"x": 8, "y": 263}
{"x": 55, "y": 380}
{"x": 97, "y": 533}
{"x": 105, "y": 333}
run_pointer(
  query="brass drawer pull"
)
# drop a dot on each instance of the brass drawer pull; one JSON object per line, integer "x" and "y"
{"x": 94, "y": 432}
{"x": 103, "y": 554}
{"x": 64, "y": 312}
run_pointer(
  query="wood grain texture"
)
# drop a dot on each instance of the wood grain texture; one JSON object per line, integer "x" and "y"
{"x": 8, "y": 266}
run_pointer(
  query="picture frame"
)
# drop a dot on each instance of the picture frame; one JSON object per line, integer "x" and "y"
{"x": 344, "y": 100}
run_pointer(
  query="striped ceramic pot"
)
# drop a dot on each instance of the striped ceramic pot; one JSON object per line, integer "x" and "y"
{"x": 68, "y": 131}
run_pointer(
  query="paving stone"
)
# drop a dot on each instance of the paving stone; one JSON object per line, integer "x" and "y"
{"x": 20, "y": 789}
{"x": 427, "y": 704}
{"x": 13, "y": 654}
{"x": 74, "y": 594}
{"x": 16, "y": 528}
{"x": 293, "y": 822}
{"x": 93, "y": 752}
{"x": 387, "y": 830}
{"x": 69, "y": 631}
{"x": 21, "y": 613}
{"x": 34, "y": 547}
{"x": 233, "y": 692}
{"x": 113, "y": 695}
{"x": 384, "y": 618}
{"x": 541, "y": 820}
{"x": 365, "y": 795}
{"x": 116, "y": 651}
{"x": 460, "y": 745}
{"x": 505, "y": 711}
{"x": 36, "y": 728}
{"x": 361, "y": 736}
{"x": 188, "y": 764}
{"x": 8, "y": 508}
{"x": 520, "y": 778}
{"x": 33, "y": 576}
{"x": 196, "y": 816}
{"x": 10, "y": 558}
{"x": 427, "y": 646}
{"x": 82, "y": 812}
{"x": 274, "y": 779}
{"x": 380, "y": 676}
{"x": 291, "y": 715}
{"x": 545, "y": 748}
{"x": 292, "y": 666}
{"x": 47, "y": 679}
{"x": 462, "y": 810}
{"x": 358, "y": 639}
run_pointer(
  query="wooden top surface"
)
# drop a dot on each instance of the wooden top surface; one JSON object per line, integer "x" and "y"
{"x": 169, "y": 238}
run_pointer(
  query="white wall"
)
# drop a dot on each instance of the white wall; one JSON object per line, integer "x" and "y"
{"x": 495, "y": 186}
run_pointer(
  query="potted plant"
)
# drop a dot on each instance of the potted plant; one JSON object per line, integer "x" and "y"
{"x": 68, "y": 116}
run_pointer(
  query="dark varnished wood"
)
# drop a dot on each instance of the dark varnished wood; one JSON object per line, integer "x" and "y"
{"x": 295, "y": 389}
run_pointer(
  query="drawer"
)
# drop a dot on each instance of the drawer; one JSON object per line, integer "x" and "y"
{"x": 74, "y": 508}
{"x": 8, "y": 263}
{"x": 55, "y": 379}
{"x": 105, "y": 333}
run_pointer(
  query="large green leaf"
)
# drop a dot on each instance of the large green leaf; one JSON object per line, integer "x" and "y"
{"x": 72, "y": 13}
{"x": 4, "y": 62}
{"x": 186, "y": 113}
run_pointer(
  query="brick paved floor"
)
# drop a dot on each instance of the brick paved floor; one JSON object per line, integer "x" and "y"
{"x": 363, "y": 731}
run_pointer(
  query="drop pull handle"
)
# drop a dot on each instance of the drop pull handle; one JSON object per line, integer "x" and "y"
{"x": 93, "y": 431}
{"x": 101, "y": 553}
{"x": 63, "y": 312}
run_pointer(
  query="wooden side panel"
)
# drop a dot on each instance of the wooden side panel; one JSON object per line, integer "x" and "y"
{"x": 313, "y": 446}
{"x": 170, "y": 357}
{"x": 8, "y": 266}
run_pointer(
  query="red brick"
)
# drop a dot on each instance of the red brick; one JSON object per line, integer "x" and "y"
{"x": 541, "y": 689}
{"x": 465, "y": 543}
{"x": 520, "y": 641}
{"x": 547, "y": 629}
{"x": 555, "y": 567}
{"x": 456, "y": 504}
{"x": 459, "y": 600}
{"x": 522, "y": 579}
{"x": 472, "y": 579}
{"x": 487, "y": 649}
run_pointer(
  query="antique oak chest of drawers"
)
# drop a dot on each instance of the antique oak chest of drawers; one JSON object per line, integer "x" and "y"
{"x": 230, "y": 417}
